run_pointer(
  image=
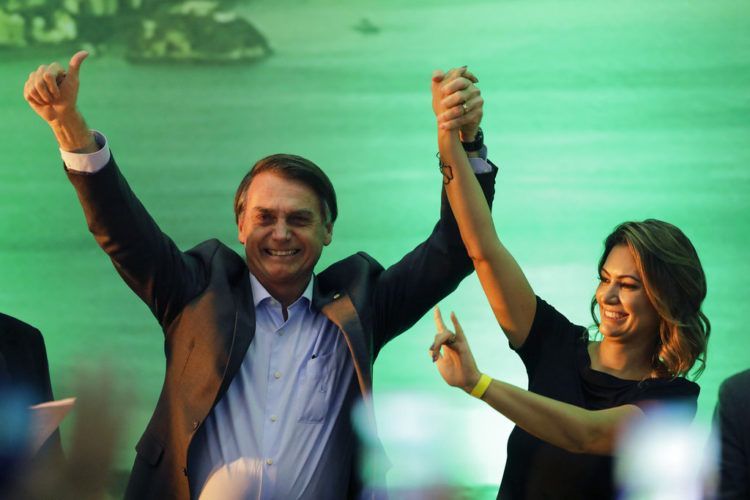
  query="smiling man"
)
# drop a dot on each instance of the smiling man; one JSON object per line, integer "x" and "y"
{"x": 264, "y": 359}
{"x": 285, "y": 209}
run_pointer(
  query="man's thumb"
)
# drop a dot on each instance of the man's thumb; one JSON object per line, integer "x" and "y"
{"x": 75, "y": 62}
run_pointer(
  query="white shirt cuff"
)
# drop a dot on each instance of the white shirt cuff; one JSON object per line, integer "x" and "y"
{"x": 89, "y": 163}
{"x": 480, "y": 165}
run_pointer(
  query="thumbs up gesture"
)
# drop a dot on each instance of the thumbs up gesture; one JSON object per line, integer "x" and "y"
{"x": 52, "y": 91}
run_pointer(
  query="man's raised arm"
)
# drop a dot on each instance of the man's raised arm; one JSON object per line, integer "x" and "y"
{"x": 146, "y": 258}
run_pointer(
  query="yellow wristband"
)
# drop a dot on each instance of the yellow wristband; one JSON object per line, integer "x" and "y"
{"x": 481, "y": 387}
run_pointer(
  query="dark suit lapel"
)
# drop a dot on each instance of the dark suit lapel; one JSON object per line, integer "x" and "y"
{"x": 339, "y": 308}
{"x": 244, "y": 331}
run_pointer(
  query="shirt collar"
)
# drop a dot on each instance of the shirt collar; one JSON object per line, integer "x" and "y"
{"x": 260, "y": 293}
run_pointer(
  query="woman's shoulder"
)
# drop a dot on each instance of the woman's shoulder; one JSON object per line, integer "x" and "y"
{"x": 551, "y": 335}
{"x": 677, "y": 394}
{"x": 548, "y": 318}
{"x": 676, "y": 388}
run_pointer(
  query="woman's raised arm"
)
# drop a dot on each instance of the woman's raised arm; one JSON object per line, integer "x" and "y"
{"x": 509, "y": 293}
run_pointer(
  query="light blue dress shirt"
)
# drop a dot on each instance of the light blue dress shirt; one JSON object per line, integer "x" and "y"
{"x": 268, "y": 436}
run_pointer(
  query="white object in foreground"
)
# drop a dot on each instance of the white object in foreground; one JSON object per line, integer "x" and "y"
{"x": 44, "y": 418}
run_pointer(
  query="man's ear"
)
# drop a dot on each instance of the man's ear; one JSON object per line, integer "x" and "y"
{"x": 240, "y": 233}
{"x": 328, "y": 227}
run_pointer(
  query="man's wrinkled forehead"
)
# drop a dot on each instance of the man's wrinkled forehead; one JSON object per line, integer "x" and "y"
{"x": 264, "y": 197}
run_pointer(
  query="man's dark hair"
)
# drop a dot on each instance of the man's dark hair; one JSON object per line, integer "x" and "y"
{"x": 294, "y": 168}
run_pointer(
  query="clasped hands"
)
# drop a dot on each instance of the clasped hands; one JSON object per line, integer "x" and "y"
{"x": 457, "y": 102}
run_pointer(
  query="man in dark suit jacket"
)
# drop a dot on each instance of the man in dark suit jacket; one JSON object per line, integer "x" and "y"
{"x": 24, "y": 371}
{"x": 732, "y": 420}
{"x": 264, "y": 360}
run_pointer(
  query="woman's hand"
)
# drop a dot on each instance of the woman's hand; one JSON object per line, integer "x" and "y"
{"x": 452, "y": 354}
{"x": 457, "y": 102}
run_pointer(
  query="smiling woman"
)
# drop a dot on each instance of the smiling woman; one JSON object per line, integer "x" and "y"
{"x": 581, "y": 392}
{"x": 650, "y": 273}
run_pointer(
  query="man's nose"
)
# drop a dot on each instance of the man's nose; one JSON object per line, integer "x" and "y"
{"x": 281, "y": 231}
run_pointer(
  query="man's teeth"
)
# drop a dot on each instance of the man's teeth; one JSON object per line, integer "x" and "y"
{"x": 614, "y": 315}
{"x": 282, "y": 253}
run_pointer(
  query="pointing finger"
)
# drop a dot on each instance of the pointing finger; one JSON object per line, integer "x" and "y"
{"x": 439, "y": 323}
{"x": 457, "y": 326}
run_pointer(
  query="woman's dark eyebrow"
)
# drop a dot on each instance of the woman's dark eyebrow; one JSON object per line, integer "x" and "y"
{"x": 631, "y": 277}
{"x": 634, "y": 278}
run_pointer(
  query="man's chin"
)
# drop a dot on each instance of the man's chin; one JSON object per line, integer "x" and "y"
{"x": 279, "y": 276}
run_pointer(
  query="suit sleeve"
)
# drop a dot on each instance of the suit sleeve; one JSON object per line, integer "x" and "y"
{"x": 408, "y": 289}
{"x": 147, "y": 259}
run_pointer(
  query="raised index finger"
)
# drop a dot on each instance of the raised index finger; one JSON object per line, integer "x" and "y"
{"x": 439, "y": 323}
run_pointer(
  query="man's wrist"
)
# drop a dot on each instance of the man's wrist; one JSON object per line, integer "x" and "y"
{"x": 475, "y": 144}
{"x": 73, "y": 135}
{"x": 468, "y": 136}
{"x": 88, "y": 162}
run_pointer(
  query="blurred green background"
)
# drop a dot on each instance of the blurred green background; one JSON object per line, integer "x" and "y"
{"x": 596, "y": 112}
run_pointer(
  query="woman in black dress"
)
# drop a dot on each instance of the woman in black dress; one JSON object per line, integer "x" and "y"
{"x": 581, "y": 392}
